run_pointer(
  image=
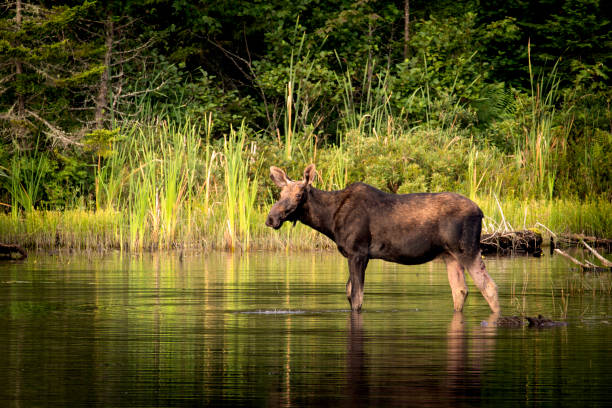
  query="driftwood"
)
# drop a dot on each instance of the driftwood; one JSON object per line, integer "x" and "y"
{"x": 574, "y": 240}
{"x": 587, "y": 266}
{"x": 603, "y": 260}
{"x": 9, "y": 251}
{"x": 504, "y": 243}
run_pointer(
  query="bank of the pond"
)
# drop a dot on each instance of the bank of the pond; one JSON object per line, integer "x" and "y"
{"x": 113, "y": 229}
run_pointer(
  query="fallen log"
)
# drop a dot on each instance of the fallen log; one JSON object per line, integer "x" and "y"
{"x": 585, "y": 266}
{"x": 603, "y": 260}
{"x": 505, "y": 243}
{"x": 574, "y": 240}
{"x": 8, "y": 251}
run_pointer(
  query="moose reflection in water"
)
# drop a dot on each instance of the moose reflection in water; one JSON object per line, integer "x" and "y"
{"x": 408, "y": 229}
{"x": 467, "y": 350}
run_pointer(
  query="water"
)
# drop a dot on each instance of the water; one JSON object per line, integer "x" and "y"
{"x": 275, "y": 330}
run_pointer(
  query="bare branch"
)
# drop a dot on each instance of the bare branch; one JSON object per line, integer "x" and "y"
{"x": 597, "y": 255}
{"x": 252, "y": 76}
{"x": 55, "y": 133}
{"x": 144, "y": 91}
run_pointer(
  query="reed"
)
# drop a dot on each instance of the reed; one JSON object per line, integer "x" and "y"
{"x": 25, "y": 177}
{"x": 300, "y": 96}
{"x": 474, "y": 180}
{"x": 592, "y": 217}
{"x": 240, "y": 188}
{"x": 537, "y": 152}
{"x": 366, "y": 107}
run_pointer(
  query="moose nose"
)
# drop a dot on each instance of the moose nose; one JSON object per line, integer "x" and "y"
{"x": 273, "y": 222}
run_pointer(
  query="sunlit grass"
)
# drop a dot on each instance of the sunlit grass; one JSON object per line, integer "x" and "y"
{"x": 165, "y": 183}
{"x": 207, "y": 228}
{"x": 593, "y": 217}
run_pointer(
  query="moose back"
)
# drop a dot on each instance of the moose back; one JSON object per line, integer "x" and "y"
{"x": 409, "y": 229}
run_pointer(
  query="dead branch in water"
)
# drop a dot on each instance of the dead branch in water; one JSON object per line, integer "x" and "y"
{"x": 576, "y": 240}
{"x": 603, "y": 260}
{"x": 586, "y": 266}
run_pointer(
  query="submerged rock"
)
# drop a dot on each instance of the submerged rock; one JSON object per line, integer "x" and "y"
{"x": 541, "y": 321}
{"x": 510, "y": 321}
{"x": 520, "y": 321}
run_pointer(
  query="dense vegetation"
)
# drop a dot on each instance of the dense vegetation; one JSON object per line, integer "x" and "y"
{"x": 152, "y": 123}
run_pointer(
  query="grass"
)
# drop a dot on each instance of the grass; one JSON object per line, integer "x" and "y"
{"x": 202, "y": 228}
{"x": 592, "y": 217}
{"x": 169, "y": 186}
{"x": 25, "y": 181}
{"x": 165, "y": 183}
{"x": 240, "y": 188}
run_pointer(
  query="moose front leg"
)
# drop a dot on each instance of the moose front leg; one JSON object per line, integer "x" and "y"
{"x": 354, "y": 286}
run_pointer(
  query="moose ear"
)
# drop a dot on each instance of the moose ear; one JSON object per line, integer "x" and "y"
{"x": 279, "y": 177}
{"x": 309, "y": 174}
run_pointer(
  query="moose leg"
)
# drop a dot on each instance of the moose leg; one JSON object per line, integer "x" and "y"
{"x": 456, "y": 279}
{"x": 354, "y": 286}
{"x": 483, "y": 281}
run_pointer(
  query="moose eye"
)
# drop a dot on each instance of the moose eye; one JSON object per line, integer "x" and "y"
{"x": 298, "y": 197}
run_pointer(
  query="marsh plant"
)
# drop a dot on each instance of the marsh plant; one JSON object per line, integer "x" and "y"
{"x": 171, "y": 176}
{"x": 240, "y": 171}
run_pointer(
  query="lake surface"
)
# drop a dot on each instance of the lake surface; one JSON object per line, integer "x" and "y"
{"x": 274, "y": 329}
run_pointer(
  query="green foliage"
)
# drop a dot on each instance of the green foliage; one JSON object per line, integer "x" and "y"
{"x": 240, "y": 178}
{"x": 111, "y": 105}
{"x": 25, "y": 182}
{"x": 100, "y": 142}
{"x": 46, "y": 68}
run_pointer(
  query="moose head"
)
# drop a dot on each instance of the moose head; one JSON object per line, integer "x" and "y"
{"x": 293, "y": 195}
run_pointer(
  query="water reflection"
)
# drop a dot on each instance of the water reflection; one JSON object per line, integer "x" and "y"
{"x": 357, "y": 382}
{"x": 465, "y": 367}
{"x": 412, "y": 378}
{"x": 275, "y": 331}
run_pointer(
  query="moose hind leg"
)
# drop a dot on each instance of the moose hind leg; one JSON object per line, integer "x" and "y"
{"x": 456, "y": 279}
{"x": 485, "y": 284}
{"x": 354, "y": 286}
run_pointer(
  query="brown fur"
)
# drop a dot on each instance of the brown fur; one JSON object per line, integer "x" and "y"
{"x": 367, "y": 223}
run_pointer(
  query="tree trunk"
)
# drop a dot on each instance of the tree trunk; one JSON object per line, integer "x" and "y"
{"x": 406, "y": 27}
{"x": 102, "y": 99}
{"x": 18, "y": 67}
{"x": 370, "y": 67}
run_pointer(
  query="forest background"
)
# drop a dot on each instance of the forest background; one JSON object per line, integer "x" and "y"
{"x": 151, "y": 124}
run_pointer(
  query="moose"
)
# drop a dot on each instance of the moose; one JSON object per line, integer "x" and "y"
{"x": 367, "y": 223}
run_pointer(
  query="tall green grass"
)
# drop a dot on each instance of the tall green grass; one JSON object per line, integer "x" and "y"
{"x": 366, "y": 109}
{"x": 240, "y": 187}
{"x": 25, "y": 177}
{"x": 165, "y": 182}
{"x": 300, "y": 96}
{"x": 537, "y": 153}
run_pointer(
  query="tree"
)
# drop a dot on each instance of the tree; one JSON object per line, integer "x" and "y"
{"x": 45, "y": 65}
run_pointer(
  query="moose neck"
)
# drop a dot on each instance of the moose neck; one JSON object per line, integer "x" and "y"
{"x": 319, "y": 209}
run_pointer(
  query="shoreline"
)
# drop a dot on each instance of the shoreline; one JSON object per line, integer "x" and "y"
{"x": 107, "y": 230}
